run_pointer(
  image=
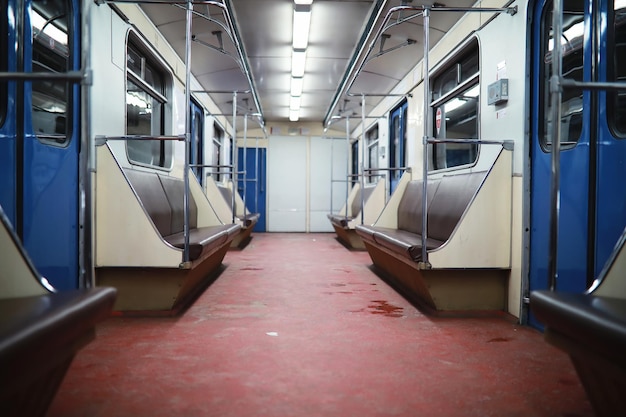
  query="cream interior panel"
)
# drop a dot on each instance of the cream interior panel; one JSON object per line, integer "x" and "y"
{"x": 389, "y": 215}
{"x": 220, "y": 206}
{"x": 483, "y": 237}
{"x": 16, "y": 278}
{"x": 347, "y": 206}
{"x": 207, "y": 215}
{"x": 125, "y": 235}
{"x": 372, "y": 207}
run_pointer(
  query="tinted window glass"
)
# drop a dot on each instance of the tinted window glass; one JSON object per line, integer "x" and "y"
{"x": 456, "y": 96}
{"x": 51, "y": 53}
{"x": 145, "y": 108}
{"x": 572, "y": 99}
{"x": 617, "y": 72}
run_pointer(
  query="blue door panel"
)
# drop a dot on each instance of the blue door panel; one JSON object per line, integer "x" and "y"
{"x": 39, "y": 180}
{"x": 255, "y": 190}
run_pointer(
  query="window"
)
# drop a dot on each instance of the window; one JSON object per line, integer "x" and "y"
{"x": 456, "y": 96}
{"x": 354, "y": 151}
{"x": 51, "y": 24}
{"x": 617, "y": 71}
{"x": 218, "y": 141}
{"x": 196, "y": 151}
{"x": 572, "y": 67}
{"x": 145, "y": 107}
{"x": 371, "y": 138}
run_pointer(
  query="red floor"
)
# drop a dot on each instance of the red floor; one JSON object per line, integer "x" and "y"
{"x": 297, "y": 325}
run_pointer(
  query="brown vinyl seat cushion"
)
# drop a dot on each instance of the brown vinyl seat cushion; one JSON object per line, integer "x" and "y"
{"x": 448, "y": 198}
{"x": 162, "y": 197}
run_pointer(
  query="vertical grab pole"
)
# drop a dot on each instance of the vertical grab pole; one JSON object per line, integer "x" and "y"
{"x": 426, "y": 124}
{"x": 233, "y": 171}
{"x": 256, "y": 174}
{"x": 362, "y": 178}
{"x": 245, "y": 162}
{"x": 555, "y": 101}
{"x": 187, "y": 130}
{"x": 332, "y": 173}
{"x": 347, "y": 178}
{"x": 88, "y": 164}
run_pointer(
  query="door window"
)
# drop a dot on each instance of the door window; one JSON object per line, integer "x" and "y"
{"x": 51, "y": 53}
{"x": 571, "y": 44}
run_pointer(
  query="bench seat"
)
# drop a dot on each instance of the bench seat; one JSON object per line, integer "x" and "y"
{"x": 468, "y": 264}
{"x": 162, "y": 197}
{"x": 595, "y": 323}
{"x": 204, "y": 239}
{"x": 249, "y": 220}
{"x": 40, "y": 330}
{"x": 592, "y": 330}
{"x": 246, "y": 219}
{"x": 39, "y": 337}
{"x": 352, "y": 213}
{"x": 448, "y": 198}
{"x": 404, "y": 243}
{"x": 140, "y": 242}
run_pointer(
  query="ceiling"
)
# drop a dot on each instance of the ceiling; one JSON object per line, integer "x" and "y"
{"x": 338, "y": 46}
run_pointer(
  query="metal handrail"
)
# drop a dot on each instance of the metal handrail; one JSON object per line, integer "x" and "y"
{"x": 102, "y": 139}
{"x": 72, "y": 76}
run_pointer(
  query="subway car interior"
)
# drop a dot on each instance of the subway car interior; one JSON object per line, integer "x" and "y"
{"x": 312, "y": 208}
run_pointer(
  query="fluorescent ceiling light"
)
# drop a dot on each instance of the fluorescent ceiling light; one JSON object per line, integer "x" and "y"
{"x": 294, "y": 103}
{"x": 301, "y": 25}
{"x": 303, "y": 1}
{"x": 296, "y": 86}
{"x": 298, "y": 60}
{"x": 294, "y": 115}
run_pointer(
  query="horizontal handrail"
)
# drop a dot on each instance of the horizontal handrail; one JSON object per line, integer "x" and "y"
{"x": 102, "y": 139}
{"x": 209, "y": 166}
{"x": 75, "y": 76}
{"x": 407, "y": 169}
{"x": 506, "y": 144}
{"x": 593, "y": 85}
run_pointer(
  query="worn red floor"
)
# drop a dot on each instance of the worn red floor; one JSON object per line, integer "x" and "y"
{"x": 297, "y": 325}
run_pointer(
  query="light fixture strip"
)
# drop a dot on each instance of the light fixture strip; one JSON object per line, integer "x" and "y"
{"x": 301, "y": 25}
{"x": 296, "y": 86}
{"x": 300, "y": 41}
{"x": 294, "y": 103}
{"x": 298, "y": 61}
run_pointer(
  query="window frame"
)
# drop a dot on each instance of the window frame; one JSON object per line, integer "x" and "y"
{"x": 61, "y": 136}
{"x": 152, "y": 62}
{"x": 372, "y": 143}
{"x": 217, "y": 151}
{"x": 544, "y": 134}
{"x": 618, "y": 129}
{"x": 464, "y": 80}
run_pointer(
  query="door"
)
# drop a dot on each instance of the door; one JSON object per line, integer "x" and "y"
{"x": 40, "y": 135}
{"x": 397, "y": 143}
{"x": 592, "y": 195}
{"x": 252, "y": 188}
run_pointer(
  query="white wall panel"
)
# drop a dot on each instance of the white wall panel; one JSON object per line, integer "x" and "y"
{"x": 286, "y": 184}
{"x": 324, "y": 154}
